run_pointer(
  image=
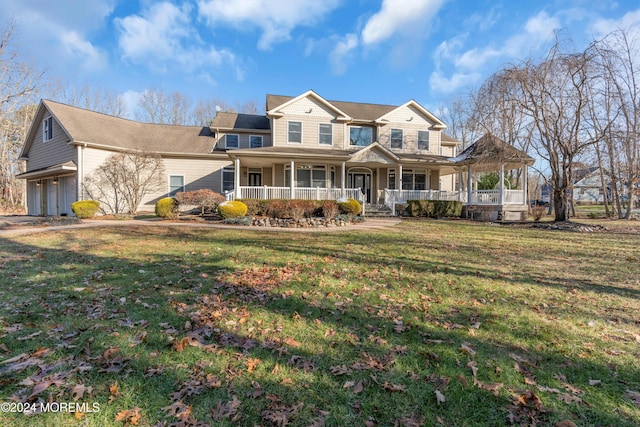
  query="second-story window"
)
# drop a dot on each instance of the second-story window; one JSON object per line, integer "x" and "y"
{"x": 396, "y": 138}
{"x": 232, "y": 141}
{"x": 423, "y": 140}
{"x": 325, "y": 136}
{"x": 360, "y": 136}
{"x": 255, "y": 141}
{"x": 47, "y": 129}
{"x": 295, "y": 132}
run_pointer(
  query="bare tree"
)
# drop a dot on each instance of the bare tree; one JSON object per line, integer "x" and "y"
{"x": 92, "y": 98}
{"x": 553, "y": 95}
{"x": 19, "y": 83}
{"x": 124, "y": 179}
{"x": 618, "y": 114}
{"x": 458, "y": 116}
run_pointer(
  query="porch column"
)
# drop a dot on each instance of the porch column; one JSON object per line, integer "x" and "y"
{"x": 501, "y": 199}
{"x": 80, "y": 175}
{"x": 525, "y": 184}
{"x": 459, "y": 185}
{"x": 292, "y": 181}
{"x": 399, "y": 178}
{"x": 236, "y": 179}
{"x": 343, "y": 173}
{"x": 469, "y": 184}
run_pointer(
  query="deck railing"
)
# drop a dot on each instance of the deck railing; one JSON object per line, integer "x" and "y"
{"x": 304, "y": 193}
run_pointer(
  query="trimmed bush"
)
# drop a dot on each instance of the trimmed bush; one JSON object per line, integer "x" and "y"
{"x": 434, "y": 208}
{"x": 330, "y": 209}
{"x": 204, "y": 199}
{"x": 232, "y": 209}
{"x": 299, "y": 209}
{"x": 351, "y": 206}
{"x": 85, "y": 208}
{"x": 167, "y": 208}
{"x": 256, "y": 207}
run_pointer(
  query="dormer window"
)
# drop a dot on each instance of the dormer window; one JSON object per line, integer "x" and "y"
{"x": 47, "y": 129}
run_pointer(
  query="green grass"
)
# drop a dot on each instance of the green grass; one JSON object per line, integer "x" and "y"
{"x": 243, "y": 327}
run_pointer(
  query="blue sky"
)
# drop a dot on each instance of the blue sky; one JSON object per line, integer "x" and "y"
{"x": 387, "y": 51}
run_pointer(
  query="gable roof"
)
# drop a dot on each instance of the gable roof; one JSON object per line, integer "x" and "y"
{"x": 227, "y": 120}
{"x": 437, "y": 123}
{"x": 105, "y": 131}
{"x": 286, "y": 102}
{"x": 357, "y": 110}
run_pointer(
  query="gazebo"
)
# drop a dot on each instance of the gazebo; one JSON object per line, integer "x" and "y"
{"x": 491, "y": 154}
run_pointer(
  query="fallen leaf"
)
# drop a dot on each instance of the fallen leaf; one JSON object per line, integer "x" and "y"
{"x": 565, "y": 423}
{"x": 130, "y": 416}
{"x": 440, "y": 397}
{"x": 394, "y": 387}
{"x": 467, "y": 348}
{"x": 595, "y": 382}
{"x": 39, "y": 388}
{"x": 79, "y": 390}
{"x": 569, "y": 398}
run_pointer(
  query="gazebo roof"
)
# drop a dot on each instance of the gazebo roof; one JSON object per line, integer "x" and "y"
{"x": 490, "y": 151}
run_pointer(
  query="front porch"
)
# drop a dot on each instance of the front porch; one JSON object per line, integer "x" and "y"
{"x": 498, "y": 200}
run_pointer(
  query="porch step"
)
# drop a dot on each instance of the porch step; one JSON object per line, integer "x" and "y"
{"x": 377, "y": 212}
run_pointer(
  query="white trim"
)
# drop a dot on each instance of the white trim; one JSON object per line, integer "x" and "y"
{"x": 331, "y": 133}
{"x": 169, "y": 183}
{"x": 401, "y": 138}
{"x": 428, "y": 140}
{"x": 288, "y": 131}
{"x": 276, "y": 111}
{"x": 47, "y": 129}
{"x": 226, "y": 146}
{"x": 230, "y": 168}
{"x": 256, "y": 136}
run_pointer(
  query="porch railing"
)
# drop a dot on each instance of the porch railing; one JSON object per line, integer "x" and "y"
{"x": 478, "y": 197}
{"x": 304, "y": 193}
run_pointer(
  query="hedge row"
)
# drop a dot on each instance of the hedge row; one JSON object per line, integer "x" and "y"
{"x": 298, "y": 209}
{"x": 434, "y": 208}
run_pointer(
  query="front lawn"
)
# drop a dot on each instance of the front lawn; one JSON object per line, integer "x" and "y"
{"x": 426, "y": 323}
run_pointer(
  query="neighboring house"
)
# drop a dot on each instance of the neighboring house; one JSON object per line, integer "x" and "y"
{"x": 303, "y": 147}
{"x": 589, "y": 188}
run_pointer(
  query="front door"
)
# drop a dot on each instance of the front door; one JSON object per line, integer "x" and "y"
{"x": 363, "y": 182}
{"x": 255, "y": 179}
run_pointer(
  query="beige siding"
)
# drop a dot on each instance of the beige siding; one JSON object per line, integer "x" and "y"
{"x": 52, "y": 152}
{"x": 409, "y": 138}
{"x": 198, "y": 174}
{"x": 244, "y": 139}
{"x": 309, "y": 107}
{"x": 310, "y": 132}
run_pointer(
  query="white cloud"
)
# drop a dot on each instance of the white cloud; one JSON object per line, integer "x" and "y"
{"x": 130, "y": 99}
{"x": 276, "y": 18}
{"x": 67, "y": 25}
{"x": 163, "y": 35}
{"x": 91, "y": 57}
{"x": 442, "y": 84}
{"x": 399, "y": 16}
{"x": 342, "y": 52}
{"x": 629, "y": 22}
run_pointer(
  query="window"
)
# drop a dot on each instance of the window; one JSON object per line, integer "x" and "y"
{"x": 255, "y": 141}
{"x": 232, "y": 141}
{"x": 307, "y": 176}
{"x": 228, "y": 177}
{"x": 396, "y": 138}
{"x": 423, "y": 140}
{"x": 47, "y": 129}
{"x": 176, "y": 184}
{"x": 325, "y": 136}
{"x": 295, "y": 132}
{"x": 360, "y": 136}
{"x": 391, "y": 179}
{"x": 414, "y": 180}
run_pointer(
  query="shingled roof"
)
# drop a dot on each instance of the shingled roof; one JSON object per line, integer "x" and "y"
{"x": 226, "y": 120}
{"x": 85, "y": 126}
{"x": 492, "y": 150}
{"x": 357, "y": 110}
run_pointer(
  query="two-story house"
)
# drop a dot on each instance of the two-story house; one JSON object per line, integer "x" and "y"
{"x": 335, "y": 146}
{"x": 304, "y": 147}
